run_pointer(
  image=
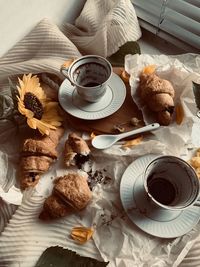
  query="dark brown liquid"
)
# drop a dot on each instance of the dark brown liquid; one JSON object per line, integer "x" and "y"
{"x": 90, "y": 84}
{"x": 161, "y": 190}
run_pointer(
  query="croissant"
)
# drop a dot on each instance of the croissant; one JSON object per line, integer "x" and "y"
{"x": 76, "y": 151}
{"x": 70, "y": 193}
{"x": 38, "y": 153}
{"x": 158, "y": 94}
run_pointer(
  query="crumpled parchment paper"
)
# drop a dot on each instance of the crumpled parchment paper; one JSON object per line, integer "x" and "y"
{"x": 116, "y": 238}
{"x": 181, "y": 76}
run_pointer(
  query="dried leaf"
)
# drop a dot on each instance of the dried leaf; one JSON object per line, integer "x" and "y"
{"x": 68, "y": 62}
{"x": 82, "y": 234}
{"x": 133, "y": 142}
{"x": 8, "y": 104}
{"x": 14, "y": 94}
{"x": 125, "y": 76}
{"x": 92, "y": 135}
{"x": 179, "y": 113}
{"x": 149, "y": 69}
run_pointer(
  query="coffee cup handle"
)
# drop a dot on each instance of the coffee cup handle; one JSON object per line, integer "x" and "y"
{"x": 65, "y": 66}
{"x": 197, "y": 203}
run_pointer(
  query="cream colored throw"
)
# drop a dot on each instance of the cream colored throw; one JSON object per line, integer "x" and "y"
{"x": 102, "y": 27}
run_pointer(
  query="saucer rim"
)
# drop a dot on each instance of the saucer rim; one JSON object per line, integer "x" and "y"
{"x": 148, "y": 158}
{"x": 114, "y": 105}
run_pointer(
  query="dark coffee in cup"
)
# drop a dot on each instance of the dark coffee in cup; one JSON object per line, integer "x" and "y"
{"x": 90, "y": 76}
{"x": 90, "y": 84}
{"x": 161, "y": 190}
{"x": 171, "y": 183}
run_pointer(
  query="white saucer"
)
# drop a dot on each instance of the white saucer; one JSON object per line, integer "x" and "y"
{"x": 109, "y": 103}
{"x": 157, "y": 222}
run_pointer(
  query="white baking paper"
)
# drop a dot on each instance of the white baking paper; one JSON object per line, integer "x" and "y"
{"x": 116, "y": 238}
{"x": 181, "y": 76}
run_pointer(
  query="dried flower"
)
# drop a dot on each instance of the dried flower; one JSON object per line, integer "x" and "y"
{"x": 82, "y": 234}
{"x": 133, "y": 142}
{"x": 149, "y": 69}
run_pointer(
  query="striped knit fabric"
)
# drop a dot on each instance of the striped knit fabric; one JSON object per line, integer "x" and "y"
{"x": 102, "y": 27}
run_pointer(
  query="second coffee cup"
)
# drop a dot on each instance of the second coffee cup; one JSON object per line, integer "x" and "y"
{"x": 90, "y": 75}
{"x": 171, "y": 183}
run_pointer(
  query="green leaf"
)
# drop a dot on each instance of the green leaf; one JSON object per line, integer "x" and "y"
{"x": 6, "y": 106}
{"x": 117, "y": 59}
{"x": 14, "y": 93}
{"x": 9, "y": 107}
{"x": 196, "y": 91}
{"x": 60, "y": 257}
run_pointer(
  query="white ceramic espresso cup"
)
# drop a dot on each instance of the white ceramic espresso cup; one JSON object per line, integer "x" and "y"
{"x": 171, "y": 183}
{"x": 90, "y": 75}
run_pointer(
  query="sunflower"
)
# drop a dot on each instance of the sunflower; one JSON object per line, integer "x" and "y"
{"x": 41, "y": 113}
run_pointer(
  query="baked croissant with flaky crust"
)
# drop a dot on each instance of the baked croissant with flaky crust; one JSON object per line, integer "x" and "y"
{"x": 158, "y": 95}
{"x": 71, "y": 193}
{"x": 37, "y": 155}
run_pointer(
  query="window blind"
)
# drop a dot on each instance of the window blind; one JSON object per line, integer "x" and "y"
{"x": 148, "y": 13}
{"x": 177, "y": 21}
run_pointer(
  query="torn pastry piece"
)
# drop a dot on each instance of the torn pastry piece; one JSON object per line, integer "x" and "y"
{"x": 158, "y": 94}
{"x": 37, "y": 155}
{"x": 76, "y": 151}
{"x": 71, "y": 193}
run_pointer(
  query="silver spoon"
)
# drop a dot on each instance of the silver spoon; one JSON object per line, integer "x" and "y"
{"x": 107, "y": 140}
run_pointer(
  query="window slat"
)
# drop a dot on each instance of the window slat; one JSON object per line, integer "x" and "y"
{"x": 182, "y": 21}
{"x": 147, "y": 16}
{"x": 183, "y": 7}
{"x": 193, "y": 2}
{"x": 179, "y": 19}
{"x": 182, "y": 34}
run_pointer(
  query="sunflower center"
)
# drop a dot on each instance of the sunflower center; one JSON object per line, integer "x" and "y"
{"x": 32, "y": 103}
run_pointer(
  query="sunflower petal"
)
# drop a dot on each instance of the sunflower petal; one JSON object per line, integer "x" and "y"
{"x": 44, "y": 127}
{"x": 32, "y": 123}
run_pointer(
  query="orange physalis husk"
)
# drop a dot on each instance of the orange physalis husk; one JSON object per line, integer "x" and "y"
{"x": 149, "y": 69}
{"x": 125, "y": 76}
{"x": 179, "y": 113}
{"x": 133, "y": 142}
{"x": 82, "y": 234}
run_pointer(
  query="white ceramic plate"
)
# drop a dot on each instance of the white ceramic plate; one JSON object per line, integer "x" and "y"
{"x": 160, "y": 223}
{"x": 77, "y": 107}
